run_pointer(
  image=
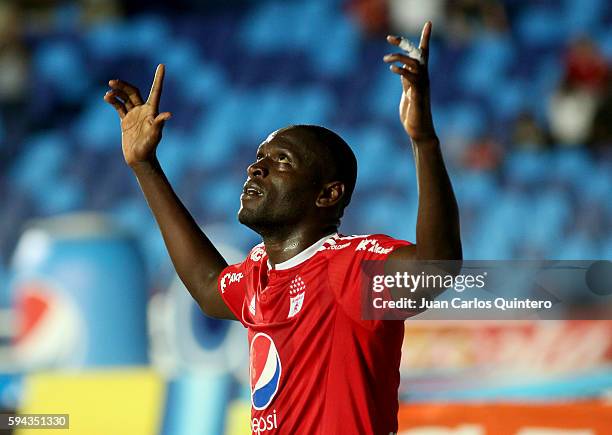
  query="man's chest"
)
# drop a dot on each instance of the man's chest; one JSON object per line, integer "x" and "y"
{"x": 287, "y": 298}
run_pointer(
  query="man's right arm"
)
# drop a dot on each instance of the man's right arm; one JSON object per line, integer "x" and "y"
{"x": 196, "y": 261}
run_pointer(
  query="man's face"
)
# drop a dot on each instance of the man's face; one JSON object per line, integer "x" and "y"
{"x": 281, "y": 187}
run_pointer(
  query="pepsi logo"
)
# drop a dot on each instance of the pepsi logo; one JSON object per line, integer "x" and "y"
{"x": 265, "y": 370}
{"x": 50, "y": 330}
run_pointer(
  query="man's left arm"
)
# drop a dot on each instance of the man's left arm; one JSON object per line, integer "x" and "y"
{"x": 437, "y": 231}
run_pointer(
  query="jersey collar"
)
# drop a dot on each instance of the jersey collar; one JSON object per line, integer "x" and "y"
{"x": 302, "y": 256}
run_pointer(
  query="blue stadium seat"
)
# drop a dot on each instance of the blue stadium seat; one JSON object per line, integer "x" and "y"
{"x": 476, "y": 189}
{"x": 384, "y": 95}
{"x": 527, "y": 167}
{"x": 149, "y": 34}
{"x": 375, "y": 150}
{"x": 334, "y": 51}
{"x": 203, "y": 83}
{"x": 184, "y": 57}
{"x": 548, "y": 74}
{"x": 577, "y": 246}
{"x": 67, "y": 17}
{"x": 462, "y": 119}
{"x": 503, "y": 226}
{"x": 156, "y": 256}
{"x": 41, "y": 161}
{"x": 606, "y": 248}
{"x": 274, "y": 109}
{"x": 582, "y": 16}
{"x": 144, "y": 34}
{"x": 108, "y": 40}
{"x": 220, "y": 129}
{"x": 98, "y": 127}
{"x": 60, "y": 196}
{"x": 539, "y": 26}
{"x": 483, "y": 68}
{"x": 174, "y": 153}
{"x": 260, "y": 31}
{"x": 604, "y": 42}
{"x": 490, "y": 242}
{"x": 60, "y": 65}
{"x": 509, "y": 100}
{"x": 132, "y": 214}
{"x": 4, "y": 282}
{"x": 572, "y": 163}
{"x": 384, "y": 213}
{"x": 549, "y": 217}
{"x": 220, "y": 198}
{"x": 594, "y": 185}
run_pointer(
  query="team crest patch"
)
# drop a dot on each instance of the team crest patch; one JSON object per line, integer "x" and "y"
{"x": 297, "y": 290}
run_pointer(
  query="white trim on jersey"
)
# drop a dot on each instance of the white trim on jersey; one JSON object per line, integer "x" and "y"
{"x": 302, "y": 256}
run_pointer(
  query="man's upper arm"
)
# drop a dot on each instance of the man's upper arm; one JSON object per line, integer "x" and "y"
{"x": 214, "y": 305}
{"x": 405, "y": 260}
{"x": 403, "y": 253}
{"x": 365, "y": 256}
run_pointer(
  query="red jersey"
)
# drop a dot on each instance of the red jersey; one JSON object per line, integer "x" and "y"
{"x": 315, "y": 366}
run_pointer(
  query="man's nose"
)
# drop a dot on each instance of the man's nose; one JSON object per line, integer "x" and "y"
{"x": 258, "y": 169}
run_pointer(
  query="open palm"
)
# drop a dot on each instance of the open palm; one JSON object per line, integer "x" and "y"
{"x": 415, "y": 105}
{"x": 141, "y": 122}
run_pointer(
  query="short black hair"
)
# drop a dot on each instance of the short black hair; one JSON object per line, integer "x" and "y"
{"x": 332, "y": 148}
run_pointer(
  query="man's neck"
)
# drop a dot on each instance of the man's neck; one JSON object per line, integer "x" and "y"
{"x": 282, "y": 247}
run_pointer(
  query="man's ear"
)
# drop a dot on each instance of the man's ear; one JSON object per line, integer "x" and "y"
{"x": 331, "y": 194}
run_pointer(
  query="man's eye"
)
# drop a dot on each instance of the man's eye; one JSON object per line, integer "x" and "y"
{"x": 283, "y": 158}
{"x": 259, "y": 157}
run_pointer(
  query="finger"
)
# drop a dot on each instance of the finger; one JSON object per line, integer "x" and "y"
{"x": 404, "y": 59}
{"x": 405, "y": 84}
{"x": 162, "y": 117}
{"x": 410, "y": 76}
{"x": 118, "y": 105}
{"x": 156, "y": 88}
{"x": 394, "y": 40}
{"x": 123, "y": 97}
{"x": 130, "y": 90}
{"x": 425, "y": 35}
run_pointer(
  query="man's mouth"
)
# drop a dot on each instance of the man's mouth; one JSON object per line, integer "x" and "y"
{"x": 251, "y": 189}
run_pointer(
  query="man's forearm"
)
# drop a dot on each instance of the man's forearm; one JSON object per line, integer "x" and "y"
{"x": 196, "y": 260}
{"x": 437, "y": 232}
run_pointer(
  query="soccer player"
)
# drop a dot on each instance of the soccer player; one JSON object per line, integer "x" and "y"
{"x": 316, "y": 366}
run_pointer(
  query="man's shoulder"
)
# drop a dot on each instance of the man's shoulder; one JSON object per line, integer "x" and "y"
{"x": 353, "y": 245}
{"x": 257, "y": 253}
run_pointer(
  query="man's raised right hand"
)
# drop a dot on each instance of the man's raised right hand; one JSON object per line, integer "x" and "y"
{"x": 141, "y": 123}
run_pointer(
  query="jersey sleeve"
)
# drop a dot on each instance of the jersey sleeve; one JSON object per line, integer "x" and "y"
{"x": 352, "y": 269}
{"x": 235, "y": 281}
{"x": 232, "y": 287}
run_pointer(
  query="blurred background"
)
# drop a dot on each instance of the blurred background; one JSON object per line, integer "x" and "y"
{"x": 93, "y": 321}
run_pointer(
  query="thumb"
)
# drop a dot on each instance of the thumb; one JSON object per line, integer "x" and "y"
{"x": 161, "y": 118}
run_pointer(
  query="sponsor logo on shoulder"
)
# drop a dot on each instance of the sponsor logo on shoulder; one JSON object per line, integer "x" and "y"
{"x": 371, "y": 245}
{"x": 257, "y": 253}
{"x": 338, "y": 247}
{"x": 332, "y": 245}
{"x": 230, "y": 278}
